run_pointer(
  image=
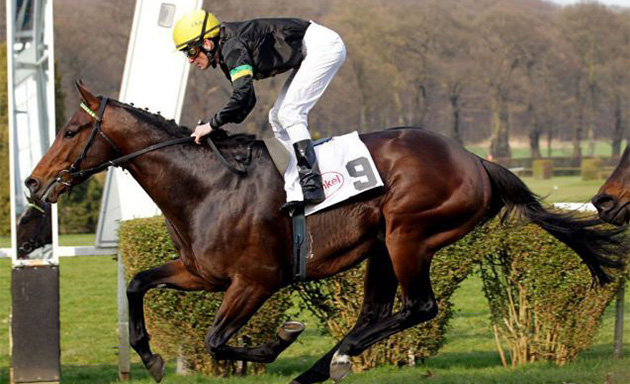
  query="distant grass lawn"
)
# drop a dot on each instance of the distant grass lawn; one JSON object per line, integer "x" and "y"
{"x": 88, "y": 328}
{"x": 74, "y": 240}
{"x": 564, "y": 188}
{"x": 520, "y": 149}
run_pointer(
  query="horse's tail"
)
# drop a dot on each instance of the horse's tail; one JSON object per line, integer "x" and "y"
{"x": 598, "y": 247}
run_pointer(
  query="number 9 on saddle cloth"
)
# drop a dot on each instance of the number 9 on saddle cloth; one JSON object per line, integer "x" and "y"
{"x": 345, "y": 164}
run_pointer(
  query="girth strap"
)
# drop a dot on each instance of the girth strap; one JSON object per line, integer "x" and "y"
{"x": 300, "y": 247}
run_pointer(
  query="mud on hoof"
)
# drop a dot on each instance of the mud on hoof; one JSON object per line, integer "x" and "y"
{"x": 340, "y": 367}
{"x": 290, "y": 330}
{"x": 156, "y": 366}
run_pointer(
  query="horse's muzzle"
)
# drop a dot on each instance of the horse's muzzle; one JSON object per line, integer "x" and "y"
{"x": 33, "y": 185}
{"x": 40, "y": 193}
{"x": 610, "y": 209}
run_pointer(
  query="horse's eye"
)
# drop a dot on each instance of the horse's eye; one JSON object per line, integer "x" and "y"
{"x": 69, "y": 134}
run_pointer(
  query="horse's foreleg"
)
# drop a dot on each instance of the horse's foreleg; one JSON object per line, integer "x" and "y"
{"x": 379, "y": 293}
{"x": 411, "y": 267}
{"x": 241, "y": 301}
{"x": 170, "y": 275}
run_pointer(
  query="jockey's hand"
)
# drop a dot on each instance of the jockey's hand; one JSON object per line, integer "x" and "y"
{"x": 202, "y": 129}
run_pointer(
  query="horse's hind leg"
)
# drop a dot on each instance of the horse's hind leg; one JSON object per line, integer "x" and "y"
{"x": 242, "y": 299}
{"x": 411, "y": 266}
{"x": 379, "y": 293}
{"x": 170, "y": 275}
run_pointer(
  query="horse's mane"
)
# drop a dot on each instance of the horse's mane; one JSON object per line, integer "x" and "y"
{"x": 236, "y": 148}
{"x": 221, "y": 137}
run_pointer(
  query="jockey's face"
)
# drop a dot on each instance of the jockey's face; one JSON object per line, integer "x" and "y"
{"x": 202, "y": 61}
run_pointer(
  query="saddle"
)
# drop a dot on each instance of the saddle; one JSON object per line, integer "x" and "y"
{"x": 234, "y": 150}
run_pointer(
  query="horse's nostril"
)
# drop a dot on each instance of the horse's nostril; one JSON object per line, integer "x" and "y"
{"x": 32, "y": 184}
{"x": 603, "y": 202}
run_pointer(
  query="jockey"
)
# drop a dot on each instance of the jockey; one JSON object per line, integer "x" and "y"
{"x": 261, "y": 48}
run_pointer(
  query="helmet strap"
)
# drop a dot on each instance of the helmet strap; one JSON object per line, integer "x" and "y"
{"x": 209, "y": 53}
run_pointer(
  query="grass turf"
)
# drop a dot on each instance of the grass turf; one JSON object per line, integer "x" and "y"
{"x": 88, "y": 328}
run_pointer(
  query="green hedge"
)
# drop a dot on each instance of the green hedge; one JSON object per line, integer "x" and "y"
{"x": 542, "y": 304}
{"x": 590, "y": 168}
{"x": 179, "y": 321}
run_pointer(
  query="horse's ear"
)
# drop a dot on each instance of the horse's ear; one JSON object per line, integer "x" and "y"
{"x": 86, "y": 95}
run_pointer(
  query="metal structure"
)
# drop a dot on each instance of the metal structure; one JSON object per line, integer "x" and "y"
{"x": 150, "y": 56}
{"x": 35, "y": 347}
{"x": 155, "y": 77}
{"x": 31, "y": 92}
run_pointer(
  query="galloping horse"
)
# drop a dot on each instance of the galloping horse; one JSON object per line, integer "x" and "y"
{"x": 435, "y": 192}
{"x": 613, "y": 199}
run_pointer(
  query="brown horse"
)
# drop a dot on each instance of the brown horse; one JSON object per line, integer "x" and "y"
{"x": 231, "y": 236}
{"x": 613, "y": 199}
{"x": 34, "y": 230}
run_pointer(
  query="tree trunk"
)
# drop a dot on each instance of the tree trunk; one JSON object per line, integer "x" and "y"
{"x": 549, "y": 141}
{"x": 456, "y": 134}
{"x": 618, "y": 129}
{"x": 578, "y": 124}
{"x": 534, "y": 134}
{"x": 421, "y": 103}
{"x": 500, "y": 143}
{"x": 592, "y": 115}
{"x": 455, "y": 91}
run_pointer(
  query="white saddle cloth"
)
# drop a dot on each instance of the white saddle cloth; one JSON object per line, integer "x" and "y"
{"x": 347, "y": 170}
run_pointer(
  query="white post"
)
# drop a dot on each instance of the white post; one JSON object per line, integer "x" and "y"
{"x": 124, "y": 365}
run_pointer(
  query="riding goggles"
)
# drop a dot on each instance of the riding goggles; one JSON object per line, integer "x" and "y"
{"x": 192, "y": 51}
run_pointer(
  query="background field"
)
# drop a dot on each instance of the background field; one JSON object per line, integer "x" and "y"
{"x": 88, "y": 328}
{"x": 520, "y": 149}
{"x": 89, "y": 315}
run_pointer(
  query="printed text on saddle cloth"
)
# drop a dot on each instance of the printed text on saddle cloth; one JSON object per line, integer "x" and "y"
{"x": 347, "y": 170}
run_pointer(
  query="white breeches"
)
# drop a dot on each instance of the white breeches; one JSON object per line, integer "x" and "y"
{"x": 324, "y": 55}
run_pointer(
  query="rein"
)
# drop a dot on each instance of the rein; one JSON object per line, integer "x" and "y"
{"x": 66, "y": 176}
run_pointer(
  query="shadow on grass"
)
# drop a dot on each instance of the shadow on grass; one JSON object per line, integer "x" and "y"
{"x": 476, "y": 360}
{"x": 292, "y": 366}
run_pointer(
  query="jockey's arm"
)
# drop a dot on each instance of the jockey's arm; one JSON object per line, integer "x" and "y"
{"x": 243, "y": 99}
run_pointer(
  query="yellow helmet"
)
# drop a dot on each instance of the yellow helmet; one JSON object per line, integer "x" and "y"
{"x": 195, "y": 25}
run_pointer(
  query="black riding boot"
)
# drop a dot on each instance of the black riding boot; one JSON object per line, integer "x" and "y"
{"x": 310, "y": 178}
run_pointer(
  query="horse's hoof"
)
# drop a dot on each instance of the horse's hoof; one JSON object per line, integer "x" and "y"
{"x": 156, "y": 366}
{"x": 340, "y": 367}
{"x": 290, "y": 330}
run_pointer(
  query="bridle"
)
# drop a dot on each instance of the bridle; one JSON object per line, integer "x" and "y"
{"x": 66, "y": 176}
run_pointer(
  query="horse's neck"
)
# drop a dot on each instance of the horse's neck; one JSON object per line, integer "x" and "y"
{"x": 170, "y": 178}
{"x": 174, "y": 177}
